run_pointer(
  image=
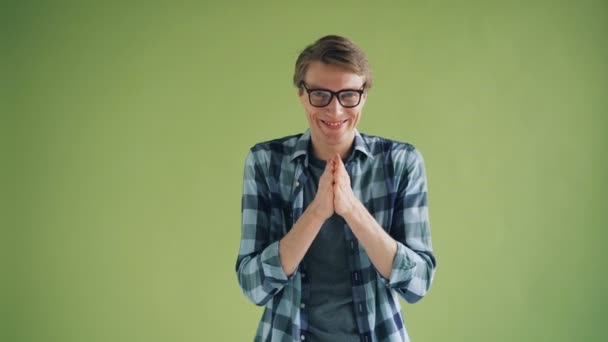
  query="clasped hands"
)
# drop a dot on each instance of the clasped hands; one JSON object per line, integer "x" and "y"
{"x": 334, "y": 193}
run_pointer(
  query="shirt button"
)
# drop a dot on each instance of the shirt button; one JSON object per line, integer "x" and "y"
{"x": 302, "y": 305}
{"x": 303, "y": 275}
{"x": 302, "y": 337}
{"x": 297, "y": 183}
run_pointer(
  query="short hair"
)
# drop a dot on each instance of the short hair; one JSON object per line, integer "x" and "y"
{"x": 333, "y": 50}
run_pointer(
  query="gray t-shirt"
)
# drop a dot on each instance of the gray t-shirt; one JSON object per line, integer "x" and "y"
{"x": 330, "y": 308}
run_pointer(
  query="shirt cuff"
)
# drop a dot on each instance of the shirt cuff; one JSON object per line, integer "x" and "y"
{"x": 271, "y": 264}
{"x": 403, "y": 269}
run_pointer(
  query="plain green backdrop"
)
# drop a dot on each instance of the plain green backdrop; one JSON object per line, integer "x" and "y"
{"x": 126, "y": 126}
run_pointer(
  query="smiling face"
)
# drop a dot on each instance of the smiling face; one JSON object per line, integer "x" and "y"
{"x": 332, "y": 128}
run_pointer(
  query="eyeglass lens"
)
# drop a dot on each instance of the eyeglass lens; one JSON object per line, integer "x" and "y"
{"x": 347, "y": 98}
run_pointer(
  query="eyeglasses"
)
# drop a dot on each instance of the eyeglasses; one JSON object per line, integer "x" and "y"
{"x": 348, "y": 98}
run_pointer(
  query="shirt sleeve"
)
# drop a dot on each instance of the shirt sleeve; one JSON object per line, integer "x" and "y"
{"x": 414, "y": 264}
{"x": 258, "y": 267}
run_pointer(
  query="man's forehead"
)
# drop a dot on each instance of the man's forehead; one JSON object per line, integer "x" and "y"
{"x": 332, "y": 77}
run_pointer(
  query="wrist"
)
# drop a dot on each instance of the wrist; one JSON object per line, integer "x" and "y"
{"x": 316, "y": 212}
{"x": 354, "y": 210}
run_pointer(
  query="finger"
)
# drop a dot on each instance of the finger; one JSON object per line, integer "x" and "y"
{"x": 342, "y": 176}
{"x": 340, "y": 167}
{"x": 328, "y": 169}
{"x": 341, "y": 182}
{"x": 326, "y": 177}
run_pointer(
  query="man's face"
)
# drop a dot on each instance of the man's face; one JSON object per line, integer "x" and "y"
{"x": 332, "y": 126}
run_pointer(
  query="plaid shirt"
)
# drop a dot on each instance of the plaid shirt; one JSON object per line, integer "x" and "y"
{"x": 389, "y": 179}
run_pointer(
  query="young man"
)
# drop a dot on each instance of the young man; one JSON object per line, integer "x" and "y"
{"x": 334, "y": 222}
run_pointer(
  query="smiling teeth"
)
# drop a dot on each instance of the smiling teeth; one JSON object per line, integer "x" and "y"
{"x": 335, "y": 124}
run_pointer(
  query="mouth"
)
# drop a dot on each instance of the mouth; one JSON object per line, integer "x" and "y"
{"x": 334, "y": 124}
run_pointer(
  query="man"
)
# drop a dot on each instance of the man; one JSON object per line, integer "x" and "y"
{"x": 334, "y": 222}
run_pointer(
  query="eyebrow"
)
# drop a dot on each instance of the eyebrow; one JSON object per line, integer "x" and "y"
{"x": 315, "y": 87}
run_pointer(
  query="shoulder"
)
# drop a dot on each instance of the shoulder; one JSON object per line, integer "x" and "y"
{"x": 275, "y": 150}
{"x": 380, "y": 145}
{"x": 400, "y": 156}
{"x": 284, "y": 145}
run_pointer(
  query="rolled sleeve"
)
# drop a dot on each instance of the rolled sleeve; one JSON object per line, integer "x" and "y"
{"x": 259, "y": 270}
{"x": 403, "y": 269}
{"x": 261, "y": 276}
{"x": 271, "y": 264}
{"x": 414, "y": 264}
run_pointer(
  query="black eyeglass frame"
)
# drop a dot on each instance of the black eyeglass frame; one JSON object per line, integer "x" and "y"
{"x": 334, "y": 93}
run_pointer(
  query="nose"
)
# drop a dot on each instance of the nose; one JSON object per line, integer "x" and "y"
{"x": 334, "y": 107}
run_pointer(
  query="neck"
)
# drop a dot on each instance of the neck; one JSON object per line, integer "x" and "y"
{"x": 325, "y": 152}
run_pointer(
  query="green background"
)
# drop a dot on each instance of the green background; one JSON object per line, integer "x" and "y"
{"x": 125, "y": 128}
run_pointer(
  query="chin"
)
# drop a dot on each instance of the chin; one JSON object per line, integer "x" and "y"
{"x": 337, "y": 137}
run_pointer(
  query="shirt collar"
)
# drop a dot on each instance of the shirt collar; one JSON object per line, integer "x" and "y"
{"x": 301, "y": 147}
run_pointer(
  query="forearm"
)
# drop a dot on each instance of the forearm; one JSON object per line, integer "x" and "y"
{"x": 294, "y": 245}
{"x": 380, "y": 247}
{"x": 264, "y": 272}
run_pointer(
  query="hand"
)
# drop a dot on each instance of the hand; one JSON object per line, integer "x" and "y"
{"x": 344, "y": 198}
{"x": 323, "y": 203}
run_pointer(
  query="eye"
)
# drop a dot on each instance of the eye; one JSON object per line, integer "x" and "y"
{"x": 349, "y": 95}
{"x": 319, "y": 94}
